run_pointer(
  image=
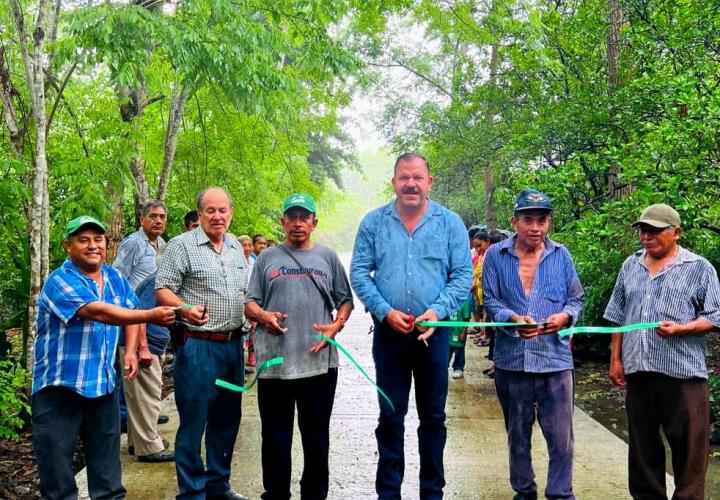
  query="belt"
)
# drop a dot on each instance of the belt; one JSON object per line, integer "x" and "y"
{"x": 214, "y": 336}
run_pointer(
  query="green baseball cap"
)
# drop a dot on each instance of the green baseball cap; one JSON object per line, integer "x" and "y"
{"x": 660, "y": 216}
{"x": 79, "y": 222}
{"x": 301, "y": 200}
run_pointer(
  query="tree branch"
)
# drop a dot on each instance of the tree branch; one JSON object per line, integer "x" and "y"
{"x": 60, "y": 91}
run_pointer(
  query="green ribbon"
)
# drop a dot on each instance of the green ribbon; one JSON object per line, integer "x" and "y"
{"x": 589, "y": 330}
{"x": 184, "y": 306}
{"x": 237, "y": 388}
{"x": 462, "y": 324}
{"x": 359, "y": 368}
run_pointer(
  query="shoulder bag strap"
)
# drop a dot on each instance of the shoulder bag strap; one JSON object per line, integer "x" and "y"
{"x": 326, "y": 298}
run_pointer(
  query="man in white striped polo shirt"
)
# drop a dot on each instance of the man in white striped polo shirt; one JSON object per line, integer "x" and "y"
{"x": 664, "y": 369}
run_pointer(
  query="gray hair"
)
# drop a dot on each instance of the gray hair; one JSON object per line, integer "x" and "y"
{"x": 149, "y": 205}
{"x": 243, "y": 238}
{"x": 199, "y": 199}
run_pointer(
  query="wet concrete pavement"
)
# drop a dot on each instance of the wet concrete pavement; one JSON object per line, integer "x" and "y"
{"x": 475, "y": 456}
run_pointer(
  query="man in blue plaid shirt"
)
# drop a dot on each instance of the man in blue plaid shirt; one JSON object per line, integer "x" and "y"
{"x": 664, "y": 369}
{"x": 80, "y": 310}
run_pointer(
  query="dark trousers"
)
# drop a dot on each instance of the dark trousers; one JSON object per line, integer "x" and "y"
{"x": 314, "y": 397}
{"x": 553, "y": 392}
{"x": 490, "y": 332}
{"x": 398, "y": 359}
{"x": 681, "y": 408}
{"x": 205, "y": 408}
{"x": 59, "y": 417}
{"x": 459, "y": 360}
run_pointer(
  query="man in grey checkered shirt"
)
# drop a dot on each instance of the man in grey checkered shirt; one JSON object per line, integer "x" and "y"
{"x": 664, "y": 369}
{"x": 203, "y": 274}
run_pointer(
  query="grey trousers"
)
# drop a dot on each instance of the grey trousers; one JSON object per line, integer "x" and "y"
{"x": 549, "y": 397}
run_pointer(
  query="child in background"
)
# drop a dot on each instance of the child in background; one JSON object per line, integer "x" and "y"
{"x": 458, "y": 336}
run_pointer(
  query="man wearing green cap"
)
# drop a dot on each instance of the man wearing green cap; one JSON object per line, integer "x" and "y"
{"x": 293, "y": 291}
{"x": 664, "y": 368}
{"x": 80, "y": 310}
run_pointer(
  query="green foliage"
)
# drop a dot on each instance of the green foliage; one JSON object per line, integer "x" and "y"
{"x": 13, "y": 402}
{"x": 714, "y": 389}
{"x": 552, "y": 119}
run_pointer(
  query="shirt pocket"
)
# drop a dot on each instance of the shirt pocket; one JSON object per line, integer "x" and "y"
{"x": 677, "y": 302}
{"x": 433, "y": 249}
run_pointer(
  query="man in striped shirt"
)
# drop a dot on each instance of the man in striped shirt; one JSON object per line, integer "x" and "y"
{"x": 531, "y": 279}
{"x": 80, "y": 310}
{"x": 664, "y": 369}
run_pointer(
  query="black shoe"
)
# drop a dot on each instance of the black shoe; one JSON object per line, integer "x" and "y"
{"x": 131, "y": 448}
{"x": 160, "y": 456}
{"x": 525, "y": 496}
{"x": 163, "y": 419}
{"x": 228, "y": 495}
{"x": 123, "y": 426}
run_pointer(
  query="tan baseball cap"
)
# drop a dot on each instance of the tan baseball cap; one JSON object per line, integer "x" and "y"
{"x": 660, "y": 216}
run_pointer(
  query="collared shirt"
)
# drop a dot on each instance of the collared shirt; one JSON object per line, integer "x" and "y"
{"x": 428, "y": 269}
{"x": 137, "y": 257}
{"x": 555, "y": 289}
{"x": 199, "y": 275}
{"x": 685, "y": 290}
{"x": 74, "y": 352}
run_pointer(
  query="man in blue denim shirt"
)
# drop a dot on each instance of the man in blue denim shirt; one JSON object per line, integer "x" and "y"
{"x": 531, "y": 279}
{"x": 411, "y": 263}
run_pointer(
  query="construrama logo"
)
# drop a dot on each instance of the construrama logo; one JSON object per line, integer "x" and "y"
{"x": 297, "y": 272}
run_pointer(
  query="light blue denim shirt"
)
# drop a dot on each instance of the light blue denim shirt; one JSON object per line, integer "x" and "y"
{"x": 556, "y": 288}
{"x": 428, "y": 269}
{"x": 137, "y": 258}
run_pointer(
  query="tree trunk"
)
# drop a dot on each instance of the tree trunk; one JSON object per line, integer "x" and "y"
{"x": 490, "y": 218}
{"x": 116, "y": 191}
{"x": 9, "y": 115}
{"x": 35, "y": 66}
{"x": 616, "y": 20}
{"x": 177, "y": 108}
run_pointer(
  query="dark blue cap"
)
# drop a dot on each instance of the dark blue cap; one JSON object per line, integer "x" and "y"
{"x": 532, "y": 199}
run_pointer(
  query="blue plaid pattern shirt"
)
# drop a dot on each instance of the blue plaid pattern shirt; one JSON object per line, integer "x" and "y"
{"x": 429, "y": 269}
{"x": 685, "y": 290}
{"x": 556, "y": 288}
{"x": 73, "y": 352}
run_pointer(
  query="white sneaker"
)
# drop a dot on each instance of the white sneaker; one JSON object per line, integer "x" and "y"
{"x": 457, "y": 374}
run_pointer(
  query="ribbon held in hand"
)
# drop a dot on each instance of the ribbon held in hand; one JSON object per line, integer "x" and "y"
{"x": 591, "y": 330}
{"x": 237, "y": 388}
{"x": 470, "y": 324}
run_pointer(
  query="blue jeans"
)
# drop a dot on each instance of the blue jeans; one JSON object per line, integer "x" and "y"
{"x": 205, "y": 408}
{"x": 459, "y": 361}
{"x": 59, "y": 417}
{"x": 554, "y": 393}
{"x": 314, "y": 397}
{"x": 398, "y": 359}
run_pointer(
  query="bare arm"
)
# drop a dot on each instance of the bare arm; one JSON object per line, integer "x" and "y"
{"x": 330, "y": 330}
{"x": 617, "y": 370}
{"x": 130, "y": 362}
{"x": 695, "y": 328}
{"x": 271, "y": 320}
{"x": 115, "y": 315}
{"x": 195, "y": 316}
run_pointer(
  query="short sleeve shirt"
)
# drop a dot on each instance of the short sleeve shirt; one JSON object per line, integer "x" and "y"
{"x": 279, "y": 284}
{"x": 685, "y": 290}
{"x": 192, "y": 269}
{"x": 137, "y": 257}
{"x": 70, "y": 351}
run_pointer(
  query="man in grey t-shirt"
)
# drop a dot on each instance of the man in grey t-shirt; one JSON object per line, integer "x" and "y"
{"x": 292, "y": 292}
